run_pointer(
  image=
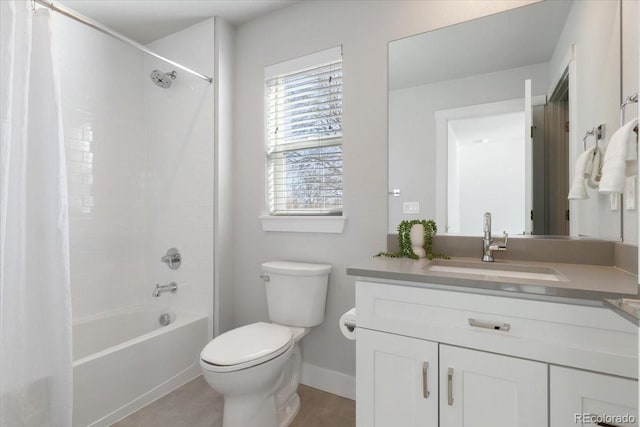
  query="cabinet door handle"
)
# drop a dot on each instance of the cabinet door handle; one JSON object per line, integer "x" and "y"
{"x": 425, "y": 380}
{"x": 486, "y": 325}
{"x": 450, "y": 386}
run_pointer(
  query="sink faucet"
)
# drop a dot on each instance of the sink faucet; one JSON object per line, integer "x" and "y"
{"x": 488, "y": 244}
{"x": 171, "y": 287}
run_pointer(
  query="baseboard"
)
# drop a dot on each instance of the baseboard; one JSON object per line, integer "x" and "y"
{"x": 330, "y": 381}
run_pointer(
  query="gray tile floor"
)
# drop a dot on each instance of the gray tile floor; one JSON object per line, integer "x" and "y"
{"x": 195, "y": 404}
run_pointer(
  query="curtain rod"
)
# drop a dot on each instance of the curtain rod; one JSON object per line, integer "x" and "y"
{"x": 108, "y": 31}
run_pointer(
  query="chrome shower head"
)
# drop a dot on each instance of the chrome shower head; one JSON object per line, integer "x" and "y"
{"x": 163, "y": 79}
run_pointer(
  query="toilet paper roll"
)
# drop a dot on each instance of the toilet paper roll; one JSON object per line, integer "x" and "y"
{"x": 347, "y": 324}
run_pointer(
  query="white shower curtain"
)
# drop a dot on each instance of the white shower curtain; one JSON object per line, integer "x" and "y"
{"x": 35, "y": 303}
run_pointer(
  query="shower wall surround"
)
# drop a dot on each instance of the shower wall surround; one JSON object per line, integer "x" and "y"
{"x": 141, "y": 169}
{"x": 180, "y": 173}
{"x": 102, "y": 84}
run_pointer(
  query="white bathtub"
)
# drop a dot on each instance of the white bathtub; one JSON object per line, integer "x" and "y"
{"x": 124, "y": 360}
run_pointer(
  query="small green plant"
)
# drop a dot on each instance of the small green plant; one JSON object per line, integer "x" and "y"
{"x": 404, "y": 240}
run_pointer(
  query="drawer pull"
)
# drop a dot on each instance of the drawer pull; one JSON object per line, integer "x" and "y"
{"x": 450, "y": 386}
{"x": 486, "y": 325}
{"x": 425, "y": 380}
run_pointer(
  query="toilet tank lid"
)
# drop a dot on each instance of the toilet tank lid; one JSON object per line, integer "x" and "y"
{"x": 296, "y": 268}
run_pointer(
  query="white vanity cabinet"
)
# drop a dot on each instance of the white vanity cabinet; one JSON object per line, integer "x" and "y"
{"x": 430, "y": 356}
{"x": 397, "y": 380}
{"x": 576, "y": 393}
{"x": 484, "y": 389}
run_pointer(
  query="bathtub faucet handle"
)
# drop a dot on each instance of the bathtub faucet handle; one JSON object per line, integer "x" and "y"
{"x": 173, "y": 258}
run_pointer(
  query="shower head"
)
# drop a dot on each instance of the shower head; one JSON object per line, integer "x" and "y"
{"x": 163, "y": 79}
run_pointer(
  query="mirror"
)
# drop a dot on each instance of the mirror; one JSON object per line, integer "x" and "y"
{"x": 490, "y": 114}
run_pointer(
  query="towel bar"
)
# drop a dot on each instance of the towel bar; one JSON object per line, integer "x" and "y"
{"x": 597, "y": 131}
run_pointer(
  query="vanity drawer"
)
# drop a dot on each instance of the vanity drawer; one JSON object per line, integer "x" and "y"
{"x": 592, "y": 338}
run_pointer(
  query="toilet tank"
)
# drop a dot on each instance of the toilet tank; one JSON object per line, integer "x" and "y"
{"x": 296, "y": 292}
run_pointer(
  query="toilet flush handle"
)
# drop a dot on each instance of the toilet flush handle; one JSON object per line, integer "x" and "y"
{"x": 265, "y": 277}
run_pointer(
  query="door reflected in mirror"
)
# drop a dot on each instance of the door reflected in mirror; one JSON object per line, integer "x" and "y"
{"x": 486, "y": 155}
{"x": 467, "y": 137}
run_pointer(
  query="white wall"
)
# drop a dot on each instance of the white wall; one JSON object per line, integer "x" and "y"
{"x": 412, "y": 130}
{"x": 363, "y": 28}
{"x": 104, "y": 131}
{"x": 594, "y": 28}
{"x": 491, "y": 179}
{"x": 180, "y": 171}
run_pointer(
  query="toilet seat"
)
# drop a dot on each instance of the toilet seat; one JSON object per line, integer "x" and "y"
{"x": 247, "y": 346}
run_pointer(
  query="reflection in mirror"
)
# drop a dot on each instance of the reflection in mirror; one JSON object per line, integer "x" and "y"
{"x": 489, "y": 115}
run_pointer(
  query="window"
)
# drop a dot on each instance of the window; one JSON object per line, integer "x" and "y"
{"x": 303, "y": 115}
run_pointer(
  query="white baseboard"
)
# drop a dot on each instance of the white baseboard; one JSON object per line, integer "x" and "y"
{"x": 330, "y": 381}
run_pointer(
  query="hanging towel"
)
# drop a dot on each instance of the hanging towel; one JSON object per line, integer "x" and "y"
{"x": 593, "y": 171}
{"x": 578, "y": 189}
{"x": 622, "y": 147}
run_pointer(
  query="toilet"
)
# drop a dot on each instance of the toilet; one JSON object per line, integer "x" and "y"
{"x": 257, "y": 367}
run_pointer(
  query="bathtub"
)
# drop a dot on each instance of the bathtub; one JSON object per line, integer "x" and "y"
{"x": 125, "y": 360}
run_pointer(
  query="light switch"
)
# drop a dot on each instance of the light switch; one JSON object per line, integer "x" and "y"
{"x": 411, "y": 207}
{"x": 630, "y": 193}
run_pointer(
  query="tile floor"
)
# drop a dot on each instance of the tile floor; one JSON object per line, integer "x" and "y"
{"x": 195, "y": 404}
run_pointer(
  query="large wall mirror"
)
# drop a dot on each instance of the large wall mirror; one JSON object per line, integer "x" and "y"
{"x": 489, "y": 116}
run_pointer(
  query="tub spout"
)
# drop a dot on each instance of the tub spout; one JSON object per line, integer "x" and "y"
{"x": 171, "y": 287}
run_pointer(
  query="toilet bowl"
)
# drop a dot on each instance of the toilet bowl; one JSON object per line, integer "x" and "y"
{"x": 257, "y": 367}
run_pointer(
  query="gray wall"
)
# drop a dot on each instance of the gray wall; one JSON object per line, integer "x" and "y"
{"x": 412, "y": 130}
{"x": 363, "y": 28}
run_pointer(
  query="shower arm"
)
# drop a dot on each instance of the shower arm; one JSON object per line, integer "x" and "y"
{"x": 69, "y": 13}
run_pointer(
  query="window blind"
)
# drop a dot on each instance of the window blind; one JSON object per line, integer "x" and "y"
{"x": 303, "y": 108}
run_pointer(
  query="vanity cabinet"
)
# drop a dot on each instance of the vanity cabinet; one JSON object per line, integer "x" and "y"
{"x": 438, "y": 357}
{"x": 397, "y": 380}
{"x": 575, "y": 392}
{"x": 485, "y": 389}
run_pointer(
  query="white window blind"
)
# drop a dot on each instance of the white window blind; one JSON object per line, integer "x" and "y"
{"x": 303, "y": 106}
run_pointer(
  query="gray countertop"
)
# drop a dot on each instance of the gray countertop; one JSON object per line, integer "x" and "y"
{"x": 584, "y": 284}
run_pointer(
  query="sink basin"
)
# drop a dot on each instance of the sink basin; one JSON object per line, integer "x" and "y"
{"x": 496, "y": 270}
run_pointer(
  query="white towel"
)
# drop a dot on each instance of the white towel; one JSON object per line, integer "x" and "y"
{"x": 578, "y": 189}
{"x": 621, "y": 147}
{"x": 593, "y": 171}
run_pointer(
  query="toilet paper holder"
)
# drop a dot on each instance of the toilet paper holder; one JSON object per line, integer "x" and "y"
{"x": 350, "y": 325}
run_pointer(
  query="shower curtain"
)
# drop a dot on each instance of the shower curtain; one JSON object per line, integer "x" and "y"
{"x": 35, "y": 303}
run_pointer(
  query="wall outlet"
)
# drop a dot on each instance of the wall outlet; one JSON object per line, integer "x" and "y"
{"x": 411, "y": 207}
{"x": 630, "y": 193}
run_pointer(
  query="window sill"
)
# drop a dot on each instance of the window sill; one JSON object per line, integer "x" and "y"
{"x": 303, "y": 224}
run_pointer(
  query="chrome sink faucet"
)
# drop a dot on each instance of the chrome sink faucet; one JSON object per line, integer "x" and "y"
{"x": 488, "y": 244}
{"x": 171, "y": 287}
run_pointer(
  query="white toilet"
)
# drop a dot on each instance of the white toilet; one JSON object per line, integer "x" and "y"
{"x": 257, "y": 367}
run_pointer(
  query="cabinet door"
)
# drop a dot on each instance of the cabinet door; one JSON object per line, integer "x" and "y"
{"x": 396, "y": 380}
{"x": 479, "y": 389}
{"x": 576, "y": 394}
